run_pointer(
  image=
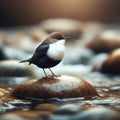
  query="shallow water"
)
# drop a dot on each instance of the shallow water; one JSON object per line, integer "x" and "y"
{"x": 105, "y": 106}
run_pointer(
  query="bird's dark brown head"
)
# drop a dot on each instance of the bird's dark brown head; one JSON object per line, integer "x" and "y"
{"x": 54, "y": 37}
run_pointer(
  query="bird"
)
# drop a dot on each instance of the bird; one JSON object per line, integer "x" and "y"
{"x": 49, "y": 53}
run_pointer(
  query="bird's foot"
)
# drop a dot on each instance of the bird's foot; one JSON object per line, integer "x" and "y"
{"x": 50, "y": 77}
{"x": 53, "y": 76}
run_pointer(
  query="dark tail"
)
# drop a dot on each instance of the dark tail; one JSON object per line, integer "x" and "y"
{"x": 28, "y": 60}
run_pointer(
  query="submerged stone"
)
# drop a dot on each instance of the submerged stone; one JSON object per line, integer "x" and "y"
{"x": 57, "y": 87}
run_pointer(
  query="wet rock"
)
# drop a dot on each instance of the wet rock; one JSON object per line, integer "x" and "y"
{"x": 97, "y": 61}
{"x": 112, "y": 63}
{"x": 106, "y": 41}
{"x": 115, "y": 88}
{"x": 25, "y": 115}
{"x": 11, "y": 72}
{"x": 68, "y": 27}
{"x": 12, "y": 68}
{"x": 67, "y": 109}
{"x": 32, "y": 115}
{"x": 46, "y": 107}
{"x": 3, "y": 92}
{"x": 97, "y": 113}
{"x": 111, "y": 101}
{"x": 58, "y": 87}
{"x": 11, "y": 116}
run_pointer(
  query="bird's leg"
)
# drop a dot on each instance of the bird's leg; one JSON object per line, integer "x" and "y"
{"x": 53, "y": 75}
{"x": 44, "y": 72}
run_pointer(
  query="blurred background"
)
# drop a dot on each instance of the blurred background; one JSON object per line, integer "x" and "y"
{"x": 27, "y": 12}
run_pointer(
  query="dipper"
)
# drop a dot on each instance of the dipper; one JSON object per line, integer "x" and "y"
{"x": 49, "y": 53}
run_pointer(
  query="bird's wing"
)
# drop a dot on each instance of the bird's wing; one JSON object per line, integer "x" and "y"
{"x": 40, "y": 53}
{"x": 47, "y": 41}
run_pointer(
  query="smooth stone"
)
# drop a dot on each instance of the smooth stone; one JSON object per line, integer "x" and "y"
{"x": 97, "y": 61}
{"x": 12, "y": 68}
{"x": 97, "y": 113}
{"x": 68, "y": 27}
{"x": 112, "y": 63}
{"x": 12, "y": 72}
{"x": 58, "y": 87}
{"x": 25, "y": 115}
{"x": 107, "y": 41}
{"x": 3, "y": 92}
{"x": 46, "y": 107}
{"x": 33, "y": 115}
{"x": 11, "y": 116}
{"x": 67, "y": 109}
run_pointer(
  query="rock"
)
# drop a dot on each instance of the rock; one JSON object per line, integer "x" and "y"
{"x": 98, "y": 60}
{"x": 12, "y": 72}
{"x": 105, "y": 42}
{"x": 46, "y": 107}
{"x": 68, "y": 27}
{"x": 67, "y": 109}
{"x": 12, "y": 68}
{"x": 112, "y": 63}
{"x": 3, "y": 92}
{"x": 58, "y": 87}
{"x": 25, "y": 115}
{"x": 97, "y": 113}
{"x": 11, "y": 116}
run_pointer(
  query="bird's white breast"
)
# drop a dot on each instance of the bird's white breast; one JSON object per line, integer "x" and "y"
{"x": 56, "y": 50}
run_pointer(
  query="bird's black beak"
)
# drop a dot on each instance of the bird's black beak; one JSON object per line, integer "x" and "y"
{"x": 66, "y": 38}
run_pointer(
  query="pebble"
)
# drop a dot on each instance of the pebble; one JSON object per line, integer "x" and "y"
{"x": 97, "y": 113}
{"x": 3, "y": 92}
{"x": 68, "y": 27}
{"x": 67, "y": 109}
{"x": 12, "y": 72}
{"x": 46, "y": 107}
{"x": 12, "y": 68}
{"x": 107, "y": 41}
{"x": 25, "y": 115}
{"x": 112, "y": 63}
{"x": 11, "y": 116}
{"x": 115, "y": 88}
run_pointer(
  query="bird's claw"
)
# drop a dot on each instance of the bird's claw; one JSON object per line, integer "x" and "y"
{"x": 53, "y": 76}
